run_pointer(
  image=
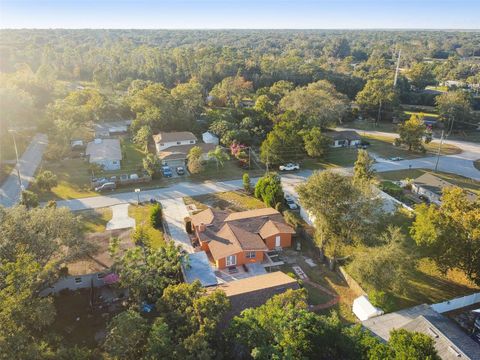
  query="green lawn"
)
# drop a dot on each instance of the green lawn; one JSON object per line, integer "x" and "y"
{"x": 383, "y": 146}
{"x": 230, "y": 200}
{"x": 336, "y": 157}
{"x": 420, "y": 113}
{"x": 230, "y": 171}
{"x": 141, "y": 214}
{"x": 458, "y": 180}
{"x": 94, "y": 221}
{"x": 73, "y": 180}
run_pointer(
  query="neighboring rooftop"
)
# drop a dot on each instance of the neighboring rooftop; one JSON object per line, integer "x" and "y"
{"x": 436, "y": 184}
{"x": 104, "y": 149}
{"x": 342, "y": 135}
{"x": 255, "y": 283}
{"x": 164, "y": 137}
{"x": 197, "y": 267}
{"x": 100, "y": 260}
{"x": 450, "y": 341}
{"x": 179, "y": 152}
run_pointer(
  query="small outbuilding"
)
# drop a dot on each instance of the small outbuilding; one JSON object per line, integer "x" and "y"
{"x": 363, "y": 308}
{"x": 209, "y": 138}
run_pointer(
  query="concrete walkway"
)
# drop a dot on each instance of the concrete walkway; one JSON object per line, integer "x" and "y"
{"x": 10, "y": 190}
{"x": 174, "y": 212}
{"x": 120, "y": 218}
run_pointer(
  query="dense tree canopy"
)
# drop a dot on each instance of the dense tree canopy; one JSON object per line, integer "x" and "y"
{"x": 450, "y": 233}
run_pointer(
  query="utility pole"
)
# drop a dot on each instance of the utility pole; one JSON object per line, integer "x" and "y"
{"x": 397, "y": 69}
{"x": 249, "y": 148}
{"x": 439, "y": 150}
{"x": 379, "y": 113}
{"x": 17, "y": 162}
{"x": 267, "y": 160}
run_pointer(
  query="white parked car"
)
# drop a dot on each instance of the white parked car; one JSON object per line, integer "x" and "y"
{"x": 289, "y": 167}
{"x": 291, "y": 203}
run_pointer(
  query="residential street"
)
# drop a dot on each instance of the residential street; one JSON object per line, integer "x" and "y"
{"x": 460, "y": 164}
{"x": 28, "y": 163}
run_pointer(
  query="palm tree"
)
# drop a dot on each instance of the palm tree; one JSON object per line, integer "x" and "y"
{"x": 219, "y": 155}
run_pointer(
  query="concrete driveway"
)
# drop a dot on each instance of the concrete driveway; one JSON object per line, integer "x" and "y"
{"x": 120, "y": 218}
{"x": 174, "y": 212}
{"x": 10, "y": 191}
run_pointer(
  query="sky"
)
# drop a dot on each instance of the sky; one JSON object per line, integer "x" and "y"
{"x": 241, "y": 14}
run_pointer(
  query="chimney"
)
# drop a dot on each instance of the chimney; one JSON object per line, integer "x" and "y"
{"x": 201, "y": 227}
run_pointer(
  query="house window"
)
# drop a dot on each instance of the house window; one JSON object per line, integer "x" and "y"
{"x": 100, "y": 276}
{"x": 78, "y": 280}
{"x": 179, "y": 142}
{"x": 162, "y": 144}
{"x": 231, "y": 260}
{"x": 192, "y": 142}
{"x": 250, "y": 255}
{"x": 115, "y": 162}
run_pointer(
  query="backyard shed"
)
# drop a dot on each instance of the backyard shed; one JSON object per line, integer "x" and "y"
{"x": 363, "y": 308}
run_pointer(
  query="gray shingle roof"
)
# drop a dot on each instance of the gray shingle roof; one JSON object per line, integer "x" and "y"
{"x": 449, "y": 339}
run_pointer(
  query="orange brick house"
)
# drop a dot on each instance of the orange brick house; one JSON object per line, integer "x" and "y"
{"x": 242, "y": 237}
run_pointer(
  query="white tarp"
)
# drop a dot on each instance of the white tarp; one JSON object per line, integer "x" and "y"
{"x": 363, "y": 308}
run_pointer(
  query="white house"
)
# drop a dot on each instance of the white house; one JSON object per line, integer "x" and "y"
{"x": 431, "y": 187}
{"x": 343, "y": 138}
{"x": 164, "y": 140}
{"x": 105, "y": 152}
{"x": 209, "y": 138}
{"x": 173, "y": 147}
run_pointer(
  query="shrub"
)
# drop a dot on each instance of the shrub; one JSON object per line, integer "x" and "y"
{"x": 29, "y": 199}
{"x": 391, "y": 188}
{"x": 382, "y": 299}
{"x": 156, "y": 216}
{"x": 247, "y": 184}
{"x": 46, "y": 180}
{"x": 292, "y": 219}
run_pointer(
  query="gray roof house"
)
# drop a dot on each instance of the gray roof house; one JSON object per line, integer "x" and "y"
{"x": 431, "y": 186}
{"x": 451, "y": 342}
{"x": 105, "y": 152}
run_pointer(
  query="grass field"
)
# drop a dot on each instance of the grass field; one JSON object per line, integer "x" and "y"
{"x": 141, "y": 214}
{"x": 73, "y": 177}
{"x": 458, "y": 180}
{"x": 383, "y": 146}
{"x": 229, "y": 171}
{"x": 230, "y": 200}
{"x": 94, "y": 221}
{"x": 339, "y": 157}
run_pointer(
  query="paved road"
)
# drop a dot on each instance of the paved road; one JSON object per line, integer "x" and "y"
{"x": 175, "y": 191}
{"x": 461, "y": 164}
{"x": 28, "y": 163}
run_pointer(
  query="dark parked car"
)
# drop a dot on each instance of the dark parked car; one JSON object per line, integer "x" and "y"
{"x": 106, "y": 186}
{"x": 166, "y": 171}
